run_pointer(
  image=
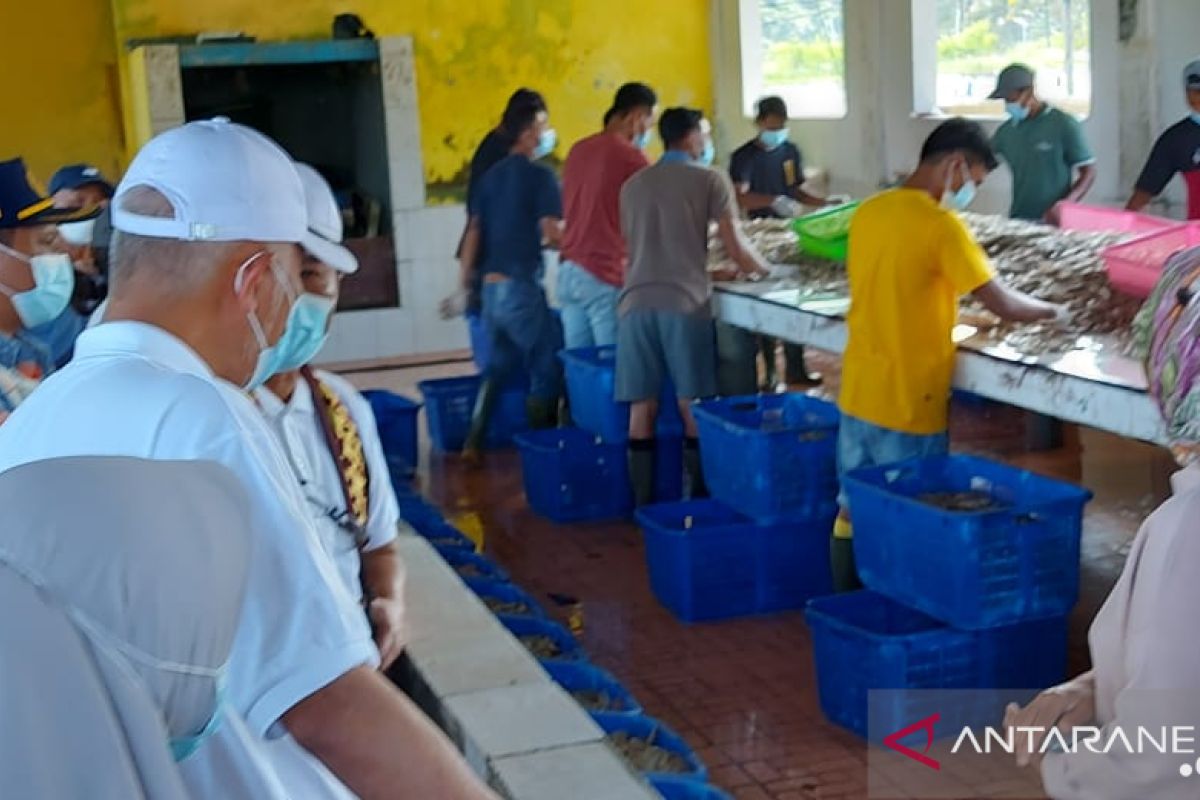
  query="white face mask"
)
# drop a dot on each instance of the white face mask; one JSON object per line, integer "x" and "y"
{"x": 77, "y": 233}
{"x": 54, "y": 281}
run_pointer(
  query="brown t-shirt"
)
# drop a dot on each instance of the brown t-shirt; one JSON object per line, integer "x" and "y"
{"x": 665, "y": 213}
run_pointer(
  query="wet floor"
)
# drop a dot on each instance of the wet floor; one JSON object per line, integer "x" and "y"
{"x": 743, "y": 692}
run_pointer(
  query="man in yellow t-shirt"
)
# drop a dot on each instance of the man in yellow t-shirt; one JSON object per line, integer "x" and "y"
{"x": 910, "y": 260}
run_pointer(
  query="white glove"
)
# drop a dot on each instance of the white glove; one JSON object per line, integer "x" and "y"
{"x": 784, "y": 206}
{"x": 454, "y": 306}
{"x": 838, "y": 199}
{"x": 1062, "y": 318}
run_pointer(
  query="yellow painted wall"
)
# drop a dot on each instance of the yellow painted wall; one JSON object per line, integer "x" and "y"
{"x": 61, "y": 101}
{"x": 471, "y": 55}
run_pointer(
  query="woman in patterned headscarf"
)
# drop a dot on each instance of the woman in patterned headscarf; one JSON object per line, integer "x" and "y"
{"x": 1145, "y": 655}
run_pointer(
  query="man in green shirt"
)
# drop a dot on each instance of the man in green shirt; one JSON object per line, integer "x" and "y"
{"x": 1043, "y": 146}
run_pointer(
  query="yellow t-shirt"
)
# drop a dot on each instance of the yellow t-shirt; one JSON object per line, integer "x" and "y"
{"x": 909, "y": 262}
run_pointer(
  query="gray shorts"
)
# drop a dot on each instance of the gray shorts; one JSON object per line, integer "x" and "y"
{"x": 653, "y": 345}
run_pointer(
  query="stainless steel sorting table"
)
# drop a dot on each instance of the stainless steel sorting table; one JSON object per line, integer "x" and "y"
{"x": 1093, "y": 385}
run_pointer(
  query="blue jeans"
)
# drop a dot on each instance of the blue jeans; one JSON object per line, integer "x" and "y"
{"x": 523, "y": 332}
{"x": 862, "y": 444}
{"x": 589, "y": 307}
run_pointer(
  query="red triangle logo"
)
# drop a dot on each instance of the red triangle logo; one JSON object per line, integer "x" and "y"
{"x": 892, "y": 741}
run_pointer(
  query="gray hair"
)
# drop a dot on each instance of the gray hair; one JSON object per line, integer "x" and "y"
{"x": 173, "y": 267}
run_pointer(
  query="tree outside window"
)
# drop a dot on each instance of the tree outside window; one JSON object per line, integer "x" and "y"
{"x": 978, "y": 38}
{"x": 803, "y": 56}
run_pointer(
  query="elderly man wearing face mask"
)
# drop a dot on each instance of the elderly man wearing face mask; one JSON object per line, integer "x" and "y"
{"x": 36, "y": 280}
{"x": 205, "y": 279}
{"x": 328, "y": 432}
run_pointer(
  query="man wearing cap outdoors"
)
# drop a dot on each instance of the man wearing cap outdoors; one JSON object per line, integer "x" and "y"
{"x": 1044, "y": 147}
{"x": 1177, "y": 151}
{"x": 205, "y": 276}
{"x": 36, "y": 280}
{"x": 80, "y": 186}
{"x": 327, "y": 430}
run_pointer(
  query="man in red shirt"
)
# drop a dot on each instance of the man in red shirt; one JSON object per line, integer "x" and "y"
{"x": 593, "y": 251}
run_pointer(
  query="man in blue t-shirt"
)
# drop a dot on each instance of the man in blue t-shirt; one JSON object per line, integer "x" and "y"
{"x": 515, "y": 211}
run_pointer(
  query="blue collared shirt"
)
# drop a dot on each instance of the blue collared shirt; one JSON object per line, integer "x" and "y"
{"x": 19, "y": 348}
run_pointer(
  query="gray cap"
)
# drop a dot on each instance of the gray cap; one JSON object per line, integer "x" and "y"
{"x": 1013, "y": 78}
{"x": 1191, "y": 75}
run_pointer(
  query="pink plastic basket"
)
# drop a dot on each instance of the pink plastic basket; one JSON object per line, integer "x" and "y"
{"x": 1081, "y": 217}
{"x": 1134, "y": 266}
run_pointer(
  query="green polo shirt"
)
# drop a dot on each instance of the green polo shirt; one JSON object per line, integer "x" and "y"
{"x": 1043, "y": 153}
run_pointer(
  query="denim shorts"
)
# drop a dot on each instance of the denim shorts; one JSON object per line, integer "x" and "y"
{"x": 862, "y": 444}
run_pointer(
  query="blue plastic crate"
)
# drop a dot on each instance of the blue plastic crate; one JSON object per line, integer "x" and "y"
{"x": 459, "y": 558}
{"x": 770, "y": 456}
{"x": 970, "y": 569}
{"x": 591, "y": 383}
{"x": 864, "y": 641}
{"x": 419, "y": 513}
{"x": 486, "y": 589}
{"x": 706, "y": 561}
{"x": 396, "y": 420}
{"x": 687, "y": 789}
{"x": 569, "y": 476}
{"x": 658, "y": 734}
{"x": 449, "y": 403}
{"x": 446, "y": 535}
{"x": 569, "y": 649}
{"x": 576, "y": 677}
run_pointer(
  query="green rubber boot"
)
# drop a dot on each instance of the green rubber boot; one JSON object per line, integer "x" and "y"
{"x": 641, "y": 471}
{"x": 481, "y": 417}
{"x": 541, "y": 413}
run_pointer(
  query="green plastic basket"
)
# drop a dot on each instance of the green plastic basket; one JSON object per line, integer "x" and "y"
{"x": 826, "y": 234}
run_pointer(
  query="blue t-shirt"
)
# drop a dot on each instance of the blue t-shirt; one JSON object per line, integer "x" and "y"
{"x": 511, "y": 200}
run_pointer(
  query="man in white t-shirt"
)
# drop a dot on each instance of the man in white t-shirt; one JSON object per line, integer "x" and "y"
{"x": 328, "y": 432}
{"x": 205, "y": 274}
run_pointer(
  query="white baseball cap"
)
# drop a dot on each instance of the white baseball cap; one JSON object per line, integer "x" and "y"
{"x": 324, "y": 223}
{"x": 225, "y": 182}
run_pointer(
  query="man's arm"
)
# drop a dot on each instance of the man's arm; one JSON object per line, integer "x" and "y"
{"x": 1010, "y": 304}
{"x": 1138, "y": 200}
{"x": 1156, "y": 174}
{"x": 377, "y": 742}
{"x": 552, "y": 232}
{"x": 469, "y": 254}
{"x": 383, "y": 578}
{"x": 1085, "y": 178}
{"x": 740, "y": 251}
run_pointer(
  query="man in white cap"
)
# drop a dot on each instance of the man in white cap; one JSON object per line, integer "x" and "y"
{"x": 328, "y": 431}
{"x": 1177, "y": 152}
{"x": 205, "y": 275}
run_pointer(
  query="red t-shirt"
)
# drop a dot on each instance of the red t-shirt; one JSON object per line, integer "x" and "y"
{"x": 596, "y": 169}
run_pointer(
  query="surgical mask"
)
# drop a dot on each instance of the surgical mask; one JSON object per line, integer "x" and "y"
{"x": 184, "y": 746}
{"x": 1195, "y": 117}
{"x": 965, "y": 195}
{"x": 77, "y": 233}
{"x": 642, "y": 140}
{"x": 773, "y": 139}
{"x": 709, "y": 152}
{"x": 54, "y": 281}
{"x": 1017, "y": 111}
{"x": 305, "y": 334}
{"x": 546, "y": 143}
{"x": 268, "y": 355}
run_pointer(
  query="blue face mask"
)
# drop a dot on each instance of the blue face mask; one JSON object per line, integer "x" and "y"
{"x": 642, "y": 140}
{"x": 1195, "y": 117}
{"x": 184, "y": 746}
{"x": 546, "y": 143}
{"x": 268, "y": 355}
{"x": 773, "y": 139}
{"x": 706, "y": 157}
{"x": 305, "y": 333}
{"x": 54, "y": 281}
{"x": 965, "y": 195}
{"x": 1017, "y": 112}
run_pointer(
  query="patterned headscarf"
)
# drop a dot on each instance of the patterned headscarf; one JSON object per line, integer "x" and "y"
{"x": 1167, "y": 335}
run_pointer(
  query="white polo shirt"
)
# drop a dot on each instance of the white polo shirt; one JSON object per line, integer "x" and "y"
{"x": 135, "y": 390}
{"x": 299, "y": 429}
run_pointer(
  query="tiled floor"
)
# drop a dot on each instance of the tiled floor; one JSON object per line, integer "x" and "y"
{"x": 743, "y": 692}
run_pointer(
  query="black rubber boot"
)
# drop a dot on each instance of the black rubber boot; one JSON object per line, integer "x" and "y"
{"x": 641, "y": 471}
{"x": 541, "y": 413}
{"x": 485, "y": 402}
{"x": 696, "y": 488}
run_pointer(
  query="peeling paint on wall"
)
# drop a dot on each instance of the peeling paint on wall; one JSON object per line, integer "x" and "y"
{"x": 471, "y": 56}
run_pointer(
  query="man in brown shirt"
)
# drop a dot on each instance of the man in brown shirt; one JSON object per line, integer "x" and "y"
{"x": 665, "y": 327}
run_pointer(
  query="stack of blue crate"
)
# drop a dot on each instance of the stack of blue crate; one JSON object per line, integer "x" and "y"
{"x": 760, "y": 545}
{"x": 581, "y": 474}
{"x": 972, "y": 568}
